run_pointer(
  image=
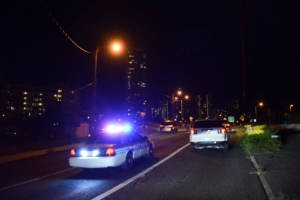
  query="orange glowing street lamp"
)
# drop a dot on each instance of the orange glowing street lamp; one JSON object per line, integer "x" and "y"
{"x": 114, "y": 47}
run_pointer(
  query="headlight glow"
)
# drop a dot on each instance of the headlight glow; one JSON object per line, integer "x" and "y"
{"x": 95, "y": 153}
{"x": 83, "y": 153}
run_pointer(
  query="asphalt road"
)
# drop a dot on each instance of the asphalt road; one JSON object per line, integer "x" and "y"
{"x": 206, "y": 174}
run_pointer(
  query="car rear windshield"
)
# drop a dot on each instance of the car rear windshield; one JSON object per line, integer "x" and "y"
{"x": 104, "y": 138}
{"x": 207, "y": 124}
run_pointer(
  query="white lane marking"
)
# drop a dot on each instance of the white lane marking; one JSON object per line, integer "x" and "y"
{"x": 107, "y": 193}
{"x": 32, "y": 180}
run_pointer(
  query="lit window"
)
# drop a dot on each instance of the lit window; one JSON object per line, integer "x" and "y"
{"x": 128, "y": 76}
{"x": 40, "y": 99}
{"x": 55, "y": 95}
{"x": 130, "y": 62}
{"x": 40, "y": 104}
{"x": 59, "y": 96}
{"x": 25, "y": 93}
{"x": 141, "y": 65}
{"x": 59, "y": 91}
{"x": 41, "y": 94}
{"x": 40, "y": 113}
{"x": 24, "y": 103}
{"x": 24, "y": 108}
{"x": 25, "y": 97}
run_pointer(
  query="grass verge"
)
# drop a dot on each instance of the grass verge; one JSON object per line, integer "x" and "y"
{"x": 258, "y": 144}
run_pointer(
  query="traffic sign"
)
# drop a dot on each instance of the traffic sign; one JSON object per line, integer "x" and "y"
{"x": 231, "y": 119}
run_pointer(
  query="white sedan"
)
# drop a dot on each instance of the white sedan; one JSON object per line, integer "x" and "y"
{"x": 112, "y": 147}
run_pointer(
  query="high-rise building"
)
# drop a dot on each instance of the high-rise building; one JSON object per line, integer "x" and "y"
{"x": 136, "y": 82}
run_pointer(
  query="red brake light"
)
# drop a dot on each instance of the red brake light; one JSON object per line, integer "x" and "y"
{"x": 193, "y": 131}
{"x": 73, "y": 152}
{"x": 110, "y": 152}
{"x": 222, "y": 130}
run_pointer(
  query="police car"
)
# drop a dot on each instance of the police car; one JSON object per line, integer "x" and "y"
{"x": 115, "y": 145}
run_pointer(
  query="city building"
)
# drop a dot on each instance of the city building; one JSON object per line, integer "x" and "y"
{"x": 136, "y": 82}
{"x": 31, "y": 100}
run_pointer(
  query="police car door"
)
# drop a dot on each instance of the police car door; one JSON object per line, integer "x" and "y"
{"x": 135, "y": 144}
{"x": 144, "y": 144}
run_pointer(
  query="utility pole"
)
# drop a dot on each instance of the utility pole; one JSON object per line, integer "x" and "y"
{"x": 173, "y": 116}
{"x": 207, "y": 104}
{"x": 199, "y": 105}
{"x": 167, "y": 109}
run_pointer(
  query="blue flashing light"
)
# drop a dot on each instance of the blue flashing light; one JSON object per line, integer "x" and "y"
{"x": 127, "y": 128}
{"x": 117, "y": 128}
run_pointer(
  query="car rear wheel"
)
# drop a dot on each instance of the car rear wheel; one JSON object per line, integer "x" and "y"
{"x": 225, "y": 147}
{"x": 150, "y": 153}
{"x": 192, "y": 148}
{"x": 128, "y": 162}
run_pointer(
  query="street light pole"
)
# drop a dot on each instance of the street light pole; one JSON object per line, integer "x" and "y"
{"x": 95, "y": 83}
{"x": 255, "y": 112}
{"x": 115, "y": 47}
{"x": 260, "y": 104}
{"x": 181, "y": 109}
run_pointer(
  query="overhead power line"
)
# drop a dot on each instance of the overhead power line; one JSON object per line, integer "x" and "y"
{"x": 64, "y": 32}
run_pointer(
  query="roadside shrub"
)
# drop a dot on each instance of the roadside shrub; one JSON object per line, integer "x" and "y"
{"x": 257, "y": 144}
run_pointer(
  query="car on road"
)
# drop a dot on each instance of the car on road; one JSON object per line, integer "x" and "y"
{"x": 208, "y": 133}
{"x": 116, "y": 145}
{"x": 227, "y": 125}
{"x": 168, "y": 126}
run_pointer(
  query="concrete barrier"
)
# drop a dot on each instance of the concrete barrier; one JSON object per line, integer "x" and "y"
{"x": 9, "y": 158}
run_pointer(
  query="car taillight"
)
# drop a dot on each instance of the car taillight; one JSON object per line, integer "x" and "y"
{"x": 110, "y": 152}
{"x": 222, "y": 130}
{"x": 193, "y": 132}
{"x": 73, "y": 153}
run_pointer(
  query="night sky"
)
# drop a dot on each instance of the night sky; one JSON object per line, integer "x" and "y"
{"x": 194, "y": 45}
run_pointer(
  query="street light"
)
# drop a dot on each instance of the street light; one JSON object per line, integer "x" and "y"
{"x": 115, "y": 47}
{"x": 179, "y": 92}
{"x": 260, "y": 104}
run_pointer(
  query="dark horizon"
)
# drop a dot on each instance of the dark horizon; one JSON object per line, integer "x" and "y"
{"x": 195, "y": 46}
